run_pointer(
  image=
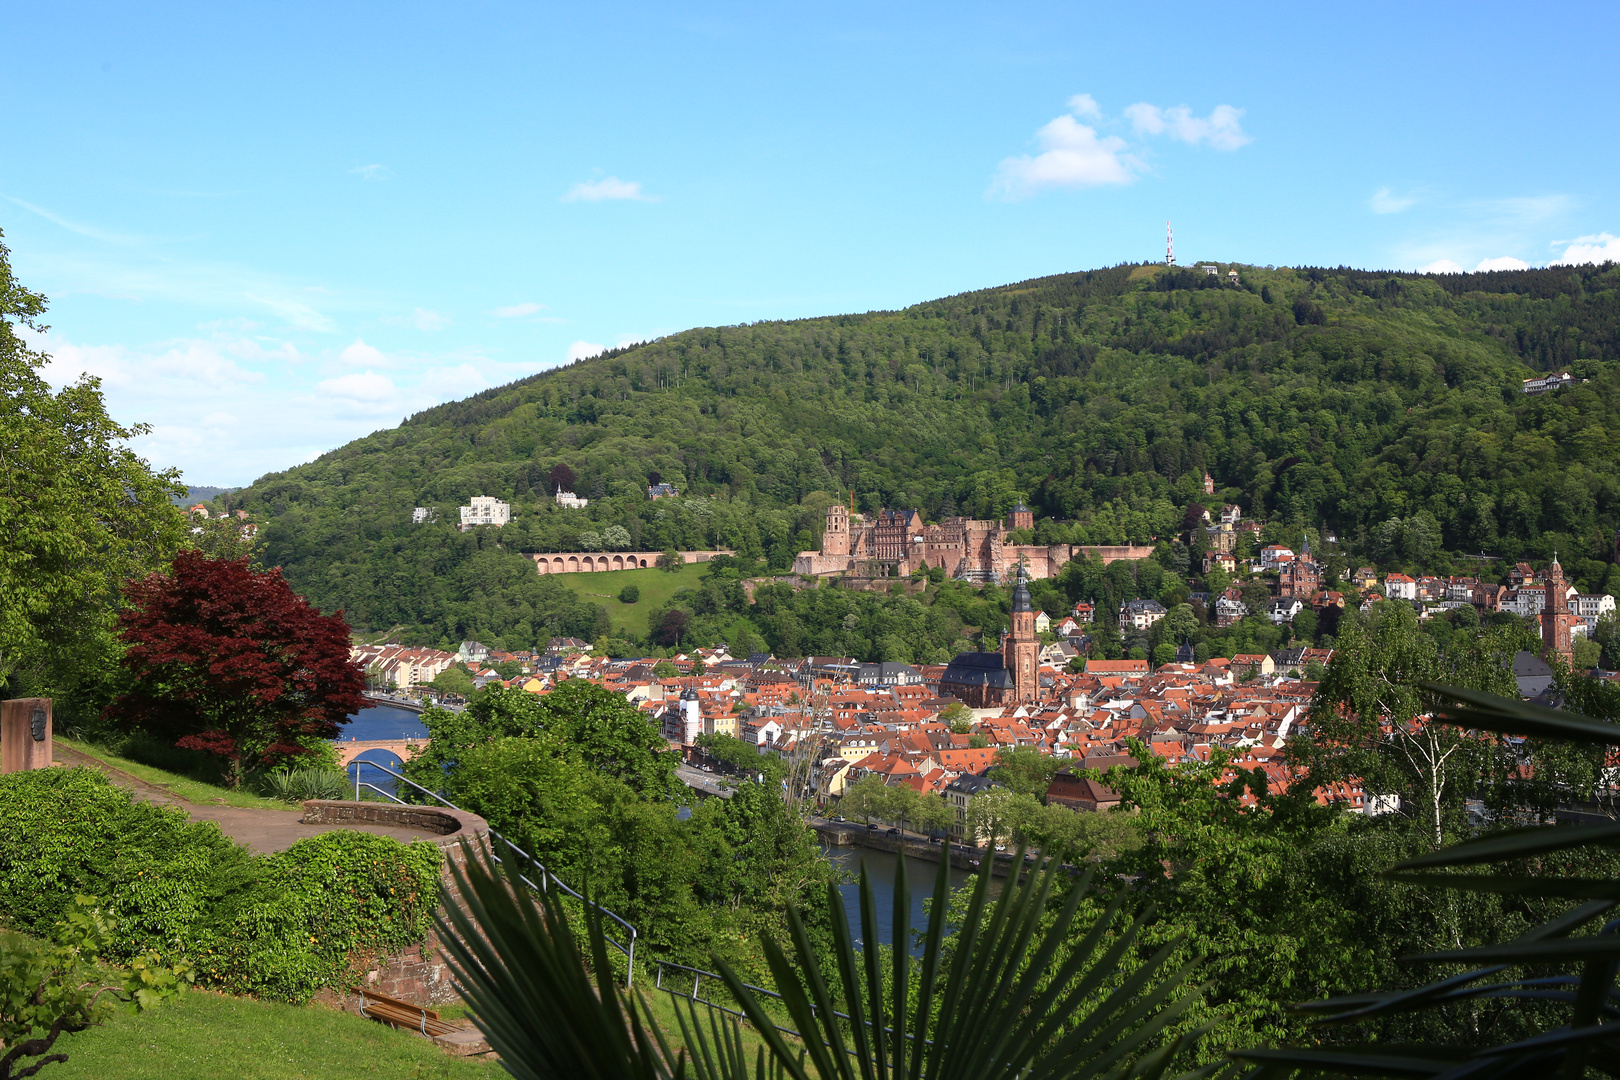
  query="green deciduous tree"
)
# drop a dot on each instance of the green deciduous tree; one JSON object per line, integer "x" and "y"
{"x": 80, "y": 514}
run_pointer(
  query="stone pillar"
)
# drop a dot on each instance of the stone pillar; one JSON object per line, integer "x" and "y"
{"x": 25, "y": 734}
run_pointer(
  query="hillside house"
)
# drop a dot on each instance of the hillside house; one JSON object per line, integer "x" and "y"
{"x": 1141, "y": 614}
{"x": 485, "y": 510}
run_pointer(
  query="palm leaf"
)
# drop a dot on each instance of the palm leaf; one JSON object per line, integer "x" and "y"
{"x": 1488, "y": 712}
{"x": 1590, "y": 995}
{"x": 1020, "y": 997}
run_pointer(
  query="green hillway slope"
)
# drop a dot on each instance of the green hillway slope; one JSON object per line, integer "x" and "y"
{"x": 1334, "y": 399}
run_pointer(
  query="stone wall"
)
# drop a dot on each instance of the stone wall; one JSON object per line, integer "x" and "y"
{"x": 417, "y": 974}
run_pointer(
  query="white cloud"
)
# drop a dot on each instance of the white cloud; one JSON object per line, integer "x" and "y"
{"x": 360, "y": 353}
{"x": 609, "y": 187}
{"x": 1385, "y": 201}
{"x": 1450, "y": 266}
{"x": 1221, "y": 129}
{"x": 1085, "y": 106}
{"x": 1597, "y": 248}
{"x": 363, "y": 392}
{"x": 582, "y": 350}
{"x": 1072, "y": 155}
{"x": 518, "y": 311}
{"x": 372, "y": 172}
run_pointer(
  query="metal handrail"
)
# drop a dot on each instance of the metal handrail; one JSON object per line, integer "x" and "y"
{"x": 547, "y": 878}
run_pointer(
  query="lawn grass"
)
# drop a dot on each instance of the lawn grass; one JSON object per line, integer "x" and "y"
{"x": 192, "y": 791}
{"x": 656, "y": 587}
{"x": 203, "y": 1036}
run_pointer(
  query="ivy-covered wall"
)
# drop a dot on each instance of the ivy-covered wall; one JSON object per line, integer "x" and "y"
{"x": 280, "y": 926}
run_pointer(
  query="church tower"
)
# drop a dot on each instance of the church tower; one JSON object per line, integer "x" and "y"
{"x": 835, "y": 536}
{"x": 1021, "y": 651}
{"x": 1555, "y": 617}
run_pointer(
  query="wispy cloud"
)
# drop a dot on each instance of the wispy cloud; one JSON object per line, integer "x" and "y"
{"x": 372, "y": 172}
{"x": 1598, "y": 248}
{"x": 1221, "y": 129}
{"x": 584, "y": 350}
{"x": 106, "y": 236}
{"x": 1385, "y": 201}
{"x": 518, "y": 311}
{"x": 420, "y": 319}
{"x": 607, "y": 188}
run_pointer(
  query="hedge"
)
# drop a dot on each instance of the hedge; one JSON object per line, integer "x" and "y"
{"x": 280, "y": 926}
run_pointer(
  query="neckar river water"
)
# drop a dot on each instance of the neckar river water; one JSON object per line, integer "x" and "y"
{"x": 881, "y": 869}
{"x": 375, "y": 724}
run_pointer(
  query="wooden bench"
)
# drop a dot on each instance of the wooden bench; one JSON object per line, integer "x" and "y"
{"x": 402, "y": 1014}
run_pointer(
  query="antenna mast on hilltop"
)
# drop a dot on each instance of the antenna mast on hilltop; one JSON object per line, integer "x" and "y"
{"x": 1169, "y": 245}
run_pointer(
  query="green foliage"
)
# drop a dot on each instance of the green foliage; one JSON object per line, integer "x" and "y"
{"x": 744, "y": 757}
{"x": 48, "y": 988}
{"x": 629, "y": 594}
{"x": 295, "y": 785}
{"x": 1546, "y": 1025}
{"x": 453, "y": 680}
{"x": 281, "y": 926}
{"x": 1025, "y": 769}
{"x": 322, "y": 901}
{"x": 582, "y": 781}
{"x": 80, "y": 512}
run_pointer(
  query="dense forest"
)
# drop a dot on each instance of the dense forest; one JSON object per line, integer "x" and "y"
{"x": 1383, "y": 409}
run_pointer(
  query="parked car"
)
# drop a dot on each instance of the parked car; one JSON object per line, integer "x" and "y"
{"x": 871, "y": 826}
{"x": 893, "y": 832}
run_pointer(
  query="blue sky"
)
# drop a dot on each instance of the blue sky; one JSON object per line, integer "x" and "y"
{"x": 272, "y": 228}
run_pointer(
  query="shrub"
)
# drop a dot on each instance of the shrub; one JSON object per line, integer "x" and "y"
{"x": 297, "y": 785}
{"x": 280, "y": 926}
{"x": 629, "y": 594}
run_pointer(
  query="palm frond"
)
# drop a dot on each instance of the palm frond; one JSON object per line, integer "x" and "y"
{"x": 1592, "y": 1033}
{"x": 1019, "y": 997}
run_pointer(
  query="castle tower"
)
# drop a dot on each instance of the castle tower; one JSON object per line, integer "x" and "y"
{"x": 835, "y": 535}
{"x": 1021, "y": 517}
{"x": 1555, "y": 617}
{"x": 1021, "y": 650}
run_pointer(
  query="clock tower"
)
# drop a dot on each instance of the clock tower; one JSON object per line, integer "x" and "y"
{"x": 1021, "y": 650}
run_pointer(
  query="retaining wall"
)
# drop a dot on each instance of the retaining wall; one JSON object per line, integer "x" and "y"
{"x": 419, "y": 973}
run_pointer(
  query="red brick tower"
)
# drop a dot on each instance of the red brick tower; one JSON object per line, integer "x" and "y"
{"x": 1021, "y": 517}
{"x": 1555, "y": 617}
{"x": 1021, "y": 651}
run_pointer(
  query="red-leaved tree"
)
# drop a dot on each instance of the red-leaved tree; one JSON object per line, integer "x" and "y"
{"x": 229, "y": 660}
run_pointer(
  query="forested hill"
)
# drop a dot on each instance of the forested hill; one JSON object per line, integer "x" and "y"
{"x": 1321, "y": 397}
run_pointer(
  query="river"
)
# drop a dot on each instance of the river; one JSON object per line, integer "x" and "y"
{"x": 374, "y": 724}
{"x": 881, "y": 869}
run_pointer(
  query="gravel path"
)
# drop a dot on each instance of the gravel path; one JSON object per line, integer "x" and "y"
{"x": 263, "y": 831}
